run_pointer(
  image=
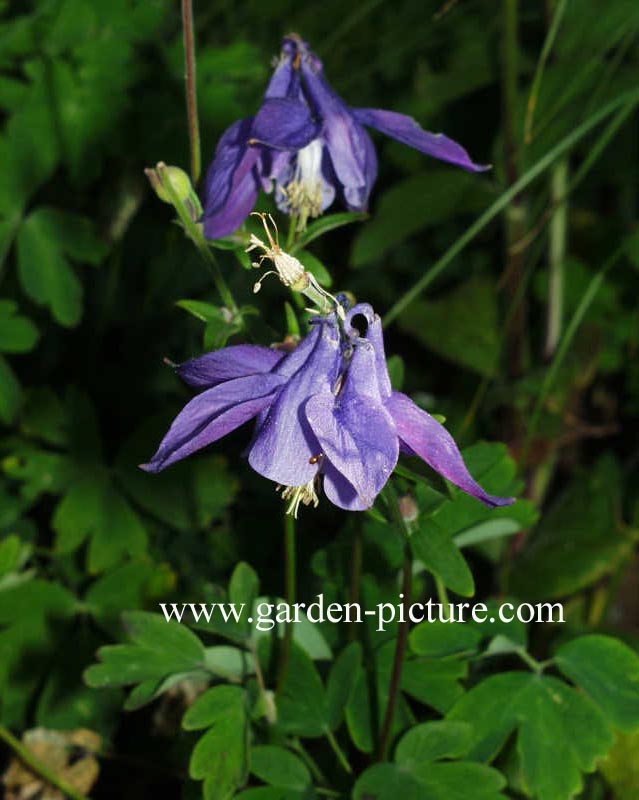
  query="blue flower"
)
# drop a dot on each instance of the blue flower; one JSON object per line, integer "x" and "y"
{"x": 325, "y": 413}
{"x": 307, "y": 146}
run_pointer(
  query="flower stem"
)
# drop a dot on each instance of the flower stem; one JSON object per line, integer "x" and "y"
{"x": 556, "y": 255}
{"x": 191, "y": 93}
{"x": 194, "y": 232}
{"x": 402, "y": 634}
{"x": 29, "y": 759}
{"x": 290, "y": 594}
{"x": 339, "y": 753}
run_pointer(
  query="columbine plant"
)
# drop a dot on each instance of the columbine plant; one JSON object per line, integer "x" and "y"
{"x": 325, "y": 412}
{"x": 307, "y": 146}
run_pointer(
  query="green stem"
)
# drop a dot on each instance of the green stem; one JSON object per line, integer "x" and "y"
{"x": 194, "y": 232}
{"x": 402, "y": 633}
{"x": 191, "y": 93}
{"x": 514, "y": 216}
{"x": 339, "y": 753}
{"x": 629, "y": 99}
{"x": 290, "y": 595}
{"x": 536, "y": 666}
{"x": 27, "y": 757}
{"x": 587, "y": 298}
{"x": 310, "y": 762}
{"x": 442, "y": 594}
{"x": 557, "y": 255}
{"x": 356, "y": 571}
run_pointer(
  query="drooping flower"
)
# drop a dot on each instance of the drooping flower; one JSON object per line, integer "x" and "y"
{"x": 308, "y": 146}
{"x": 325, "y": 414}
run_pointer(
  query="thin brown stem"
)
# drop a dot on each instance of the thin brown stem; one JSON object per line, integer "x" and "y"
{"x": 191, "y": 90}
{"x": 398, "y": 659}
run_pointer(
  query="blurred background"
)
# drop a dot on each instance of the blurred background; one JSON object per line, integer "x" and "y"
{"x": 526, "y": 332}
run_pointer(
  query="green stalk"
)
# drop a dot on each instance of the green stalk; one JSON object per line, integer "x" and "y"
{"x": 38, "y": 767}
{"x": 587, "y": 298}
{"x": 402, "y": 633}
{"x": 339, "y": 753}
{"x": 194, "y": 232}
{"x": 514, "y": 216}
{"x": 556, "y": 255}
{"x": 191, "y": 93}
{"x": 628, "y": 99}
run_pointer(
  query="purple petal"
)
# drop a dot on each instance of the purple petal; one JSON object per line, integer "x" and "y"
{"x": 432, "y": 442}
{"x": 284, "y": 124}
{"x": 285, "y": 81}
{"x": 230, "y": 215}
{"x": 375, "y": 337}
{"x": 237, "y": 361}
{"x": 406, "y": 130}
{"x": 344, "y": 137}
{"x": 284, "y": 444}
{"x": 355, "y": 432}
{"x": 231, "y": 185}
{"x": 340, "y": 492}
{"x": 213, "y": 414}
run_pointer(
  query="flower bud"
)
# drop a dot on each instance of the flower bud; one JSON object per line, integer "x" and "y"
{"x": 180, "y": 184}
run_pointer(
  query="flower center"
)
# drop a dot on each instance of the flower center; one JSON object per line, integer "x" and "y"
{"x": 300, "y": 495}
{"x": 303, "y": 194}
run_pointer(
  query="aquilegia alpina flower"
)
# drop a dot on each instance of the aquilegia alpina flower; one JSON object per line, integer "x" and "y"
{"x": 325, "y": 413}
{"x": 308, "y": 146}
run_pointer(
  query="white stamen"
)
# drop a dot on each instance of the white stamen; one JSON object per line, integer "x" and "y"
{"x": 303, "y": 194}
{"x": 300, "y": 495}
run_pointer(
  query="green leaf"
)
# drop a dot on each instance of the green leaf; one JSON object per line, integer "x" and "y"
{"x": 621, "y": 767}
{"x": 17, "y": 334}
{"x": 608, "y": 671}
{"x": 432, "y": 741}
{"x": 440, "y": 639}
{"x": 341, "y": 682}
{"x": 278, "y": 767}
{"x": 10, "y": 550}
{"x": 561, "y": 733}
{"x": 35, "y": 619}
{"x": 46, "y": 239}
{"x": 435, "y": 682}
{"x": 243, "y": 589}
{"x": 94, "y": 508}
{"x": 469, "y": 316}
{"x": 434, "y": 547}
{"x": 159, "y": 649}
{"x": 369, "y": 696}
{"x": 10, "y": 393}
{"x": 219, "y": 757}
{"x": 323, "y": 225}
{"x": 302, "y": 703}
{"x": 578, "y": 541}
{"x": 421, "y": 201}
{"x": 313, "y": 265}
{"x": 416, "y": 773}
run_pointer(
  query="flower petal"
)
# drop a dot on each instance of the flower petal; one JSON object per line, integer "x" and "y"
{"x": 213, "y": 414}
{"x": 228, "y": 363}
{"x": 284, "y": 124}
{"x": 284, "y": 444}
{"x": 355, "y": 432}
{"x": 406, "y": 130}
{"x": 344, "y": 137}
{"x": 340, "y": 492}
{"x": 434, "y": 444}
{"x": 231, "y": 185}
{"x": 375, "y": 337}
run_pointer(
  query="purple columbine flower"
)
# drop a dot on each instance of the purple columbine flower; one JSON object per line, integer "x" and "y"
{"x": 325, "y": 412}
{"x": 308, "y": 146}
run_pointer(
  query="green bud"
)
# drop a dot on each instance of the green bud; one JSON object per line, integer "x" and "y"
{"x": 180, "y": 183}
